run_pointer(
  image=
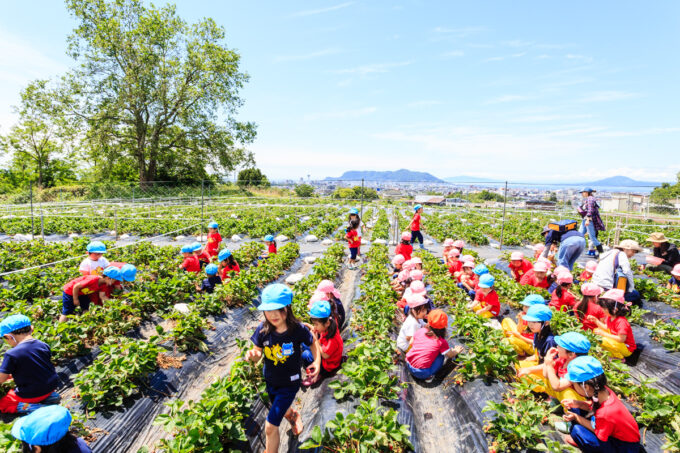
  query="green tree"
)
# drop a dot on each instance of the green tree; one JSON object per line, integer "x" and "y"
{"x": 304, "y": 190}
{"x": 156, "y": 95}
{"x": 252, "y": 177}
{"x": 666, "y": 192}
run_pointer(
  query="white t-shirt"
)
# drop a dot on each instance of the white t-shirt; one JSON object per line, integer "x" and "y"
{"x": 94, "y": 267}
{"x": 409, "y": 327}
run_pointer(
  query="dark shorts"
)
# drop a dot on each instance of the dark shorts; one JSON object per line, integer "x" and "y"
{"x": 67, "y": 302}
{"x": 353, "y": 252}
{"x": 281, "y": 399}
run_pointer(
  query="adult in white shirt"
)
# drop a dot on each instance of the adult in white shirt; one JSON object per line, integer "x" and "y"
{"x": 95, "y": 263}
{"x": 618, "y": 257}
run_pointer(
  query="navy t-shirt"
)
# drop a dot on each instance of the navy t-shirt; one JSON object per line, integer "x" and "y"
{"x": 543, "y": 345}
{"x": 30, "y": 365}
{"x": 209, "y": 283}
{"x": 282, "y": 354}
{"x": 341, "y": 311}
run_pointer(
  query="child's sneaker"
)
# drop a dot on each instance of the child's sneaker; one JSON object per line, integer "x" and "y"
{"x": 54, "y": 398}
{"x": 27, "y": 408}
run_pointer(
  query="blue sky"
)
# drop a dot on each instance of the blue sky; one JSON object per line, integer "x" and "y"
{"x": 524, "y": 90}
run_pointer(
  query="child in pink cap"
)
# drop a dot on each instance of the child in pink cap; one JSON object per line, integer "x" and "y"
{"x": 335, "y": 298}
{"x": 416, "y": 274}
{"x": 562, "y": 299}
{"x": 448, "y": 245}
{"x": 536, "y": 276}
{"x": 588, "y": 272}
{"x": 588, "y": 306}
{"x": 397, "y": 263}
{"x": 538, "y": 250}
{"x": 404, "y": 248}
{"x": 417, "y": 263}
{"x": 454, "y": 264}
{"x": 617, "y": 335}
{"x": 418, "y": 310}
{"x": 402, "y": 281}
{"x": 674, "y": 281}
{"x": 519, "y": 265}
{"x": 459, "y": 244}
{"x": 468, "y": 279}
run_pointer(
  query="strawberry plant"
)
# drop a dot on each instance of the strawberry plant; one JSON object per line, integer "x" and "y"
{"x": 672, "y": 431}
{"x": 667, "y": 333}
{"x": 188, "y": 333}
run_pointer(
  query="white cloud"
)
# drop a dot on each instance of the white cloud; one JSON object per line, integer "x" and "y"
{"x": 637, "y": 133}
{"x": 579, "y": 58}
{"x": 505, "y": 57}
{"x": 374, "y": 68}
{"x": 507, "y": 98}
{"x": 341, "y": 114}
{"x": 548, "y": 118}
{"x": 517, "y": 43}
{"x": 312, "y": 12}
{"x": 606, "y": 96}
{"x": 307, "y": 56}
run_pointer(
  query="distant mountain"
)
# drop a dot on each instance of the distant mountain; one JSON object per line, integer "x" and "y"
{"x": 466, "y": 179}
{"x": 621, "y": 181}
{"x": 387, "y": 176}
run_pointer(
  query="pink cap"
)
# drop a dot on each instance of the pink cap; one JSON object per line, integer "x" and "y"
{"x": 405, "y": 236}
{"x": 590, "y": 289}
{"x": 516, "y": 256}
{"x": 416, "y": 274}
{"x": 676, "y": 271}
{"x": 408, "y": 265}
{"x": 454, "y": 252}
{"x": 417, "y": 287}
{"x": 467, "y": 258}
{"x": 560, "y": 269}
{"x": 448, "y": 242}
{"x": 317, "y": 296}
{"x": 469, "y": 263}
{"x": 540, "y": 266}
{"x": 615, "y": 294}
{"x": 545, "y": 260}
{"x": 459, "y": 244}
{"x": 538, "y": 247}
{"x": 416, "y": 260}
{"x": 565, "y": 277}
{"x": 591, "y": 266}
{"x": 398, "y": 259}
{"x": 403, "y": 276}
{"x": 415, "y": 300}
{"x": 327, "y": 286}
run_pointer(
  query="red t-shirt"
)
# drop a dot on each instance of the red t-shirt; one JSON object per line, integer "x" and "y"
{"x": 191, "y": 264}
{"x": 89, "y": 283}
{"x": 530, "y": 279}
{"x": 564, "y": 303}
{"x": 272, "y": 249}
{"x": 523, "y": 329}
{"x": 108, "y": 289}
{"x": 594, "y": 310}
{"x": 612, "y": 419}
{"x": 524, "y": 267}
{"x": 425, "y": 349}
{"x": 353, "y": 239}
{"x": 404, "y": 250}
{"x": 204, "y": 256}
{"x": 225, "y": 269}
{"x": 455, "y": 266}
{"x": 214, "y": 240}
{"x": 490, "y": 300}
{"x": 560, "y": 367}
{"x": 621, "y": 326}
{"x": 332, "y": 347}
{"x": 585, "y": 276}
{"x": 415, "y": 223}
{"x": 470, "y": 280}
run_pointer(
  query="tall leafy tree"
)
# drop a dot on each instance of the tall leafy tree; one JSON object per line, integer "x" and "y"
{"x": 158, "y": 95}
{"x": 252, "y": 177}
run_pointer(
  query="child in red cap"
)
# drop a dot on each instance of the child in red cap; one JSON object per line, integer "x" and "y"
{"x": 429, "y": 347}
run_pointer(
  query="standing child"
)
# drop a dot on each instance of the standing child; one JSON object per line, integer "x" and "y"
{"x": 538, "y": 319}
{"x": 416, "y": 235}
{"x": 588, "y": 272}
{"x": 353, "y": 242}
{"x": 404, "y": 248}
{"x": 569, "y": 346}
{"x": 95, "y": 263}
{"x": 190, "y": 263}
{"x": 612, "y": 428}
{"x": 674, "y": 281}
{"x": 326, "y": 332}
{"x": 616, "y": 333}
{"x": 78, "y": 292}
{"x": 562, "y": 299}
{"x": 29, "y": 363}
{"x": 418, "y": 310}
{"x": 588, "y": 306}
{"x": 214, "y": 239}
{"x": 47, "y": 431}
{"x": 208, "y": 284}
{"x": 429, "y": 347}
{"x": 361, "y": 229}
{"x": 518, "y": 334}
{"x": 519, "y": 265}
{"x": 279, "y": 338}
{"x": 335, "y": 298}
{"x": 486, "y": 302}
{"x": 227, "y": 264}
{"x": 537, "y": 276}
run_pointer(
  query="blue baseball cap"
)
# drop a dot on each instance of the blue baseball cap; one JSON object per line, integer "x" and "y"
{"x": 275, "y": 296}
{"x": 187, "y": 249}
{"x": 574, "y": 342}
{"x": 354, "y": 211}
{"x": 224, "y": 254}
{"x": 128, "y": 272}
{"x": 211, "y": 269}
{"x": 114, "y": 273}
{"x": 213, "y": 225}
{"x": 44, "y": 426}
{"x": 196, "y": 246}
{"x": 96, "y": 247}
{"x": 480, "y": 269}
{"x": 486, "y": 281}
{"x": 12, "y": 323}
{"x": 416, "y": 207}
{"x": 269, "y": 238}
{"x": 583, "y": 369}
{"x": 320, "y": 310}
{"x": 533, "y": 299}
{"x": 538, "y": 313}
{"x": 586, "y": 189}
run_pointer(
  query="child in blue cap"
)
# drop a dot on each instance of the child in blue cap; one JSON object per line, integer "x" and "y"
{"x": 208, "y": 284}
{"x": 201, "y": 254}
{"x": 128, "y": 274}
{"x": 95, "y": 262}
{"x": 416, "y": 235}
{"x": 190, "y": 263}
{"x": 29, "y": 363}
{"x": 486, "y": 303}
{"x": 279, "y": 338}
{"x": 609, "y": 425}
{"x": 569, "y": 346}
{"x": 214, "y": 239}
{"x": 326, "y": 332}
{"x": 518, "y": 333}
{"x": 47, "y": 430}
{"x": 538, "y": 320}
{"x": 270, "y": 242}
{"x": 80, "y": 291}
{"x": 227, "y": 264}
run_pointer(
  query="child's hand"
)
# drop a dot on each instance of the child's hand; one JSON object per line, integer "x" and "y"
{"x": 598, "y": 331}
{"x": 569, "y": 403}
{"x": 312, "y": 371}
{"x": 457, "y": 350}
{"x": 253, "y": 355}
{"x": 592, "y": 318}
{"x": 522, "y": 372}
{"x": 569, "y": 417}
{"x": 550, "y": 357}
